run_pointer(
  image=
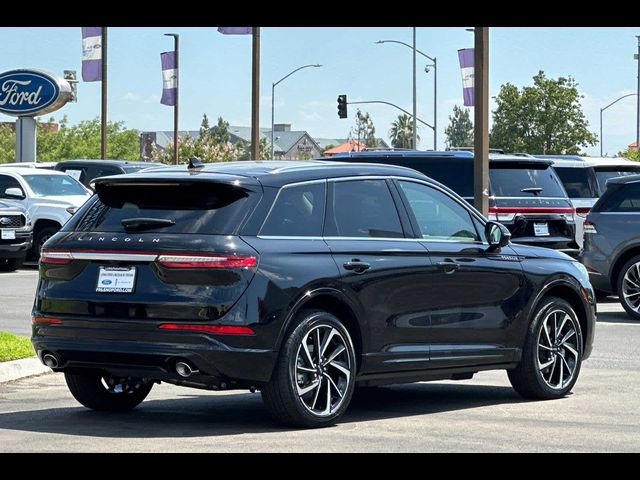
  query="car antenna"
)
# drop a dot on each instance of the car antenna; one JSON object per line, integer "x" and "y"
{"x": 194, "y": 163}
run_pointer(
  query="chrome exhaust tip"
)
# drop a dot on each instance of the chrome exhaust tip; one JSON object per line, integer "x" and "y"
{"x": 185, "y": 370}
{"x": 50, "y": 360}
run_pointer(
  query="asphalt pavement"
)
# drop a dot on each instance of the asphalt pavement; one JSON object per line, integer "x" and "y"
{"x": 479, "y": 415}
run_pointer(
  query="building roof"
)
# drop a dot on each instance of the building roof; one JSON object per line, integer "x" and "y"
{"x": 348, "y": 146}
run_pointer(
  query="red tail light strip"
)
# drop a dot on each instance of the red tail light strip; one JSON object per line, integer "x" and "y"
{"x": 192, "y": 261}
{"x": 177, "y": 260}
{"x": 531, "y": 210}
{"x": 217, "y": 329}
{"x": 45, "y": 320}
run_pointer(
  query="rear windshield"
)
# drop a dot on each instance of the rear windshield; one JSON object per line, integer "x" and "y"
{"x": 134, "y": 169}
{"x": 197, "y": 208}
{"x": 576, "y": 182}
{"x": 509, "y": 180}
{"x": 620, "y": 198}
{"x": 605, "y": 173}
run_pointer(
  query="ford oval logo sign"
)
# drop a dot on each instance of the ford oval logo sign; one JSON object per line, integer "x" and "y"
{"x": 31, "y": 92}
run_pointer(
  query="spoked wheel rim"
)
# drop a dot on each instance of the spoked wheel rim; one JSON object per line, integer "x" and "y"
{"x": 322, "y": 370}
{"x": 120, "y": 386}
{"x": 558, "y": 355}
{"x": 631, "y": 287}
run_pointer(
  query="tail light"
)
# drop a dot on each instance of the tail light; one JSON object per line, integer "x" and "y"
{"x": 583, "y": 211}
{"x": 55, "y": 257}
{"x": 217, "y": 329}
{"x": 45, "y": 320}
{"x": 200, "y": 261}
{"x": 589, "y": 227}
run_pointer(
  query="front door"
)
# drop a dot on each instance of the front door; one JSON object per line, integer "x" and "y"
{"x": 473, "y": 295}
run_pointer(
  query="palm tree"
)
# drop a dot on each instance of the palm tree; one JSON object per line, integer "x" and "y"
{"x": 401, "y": 132}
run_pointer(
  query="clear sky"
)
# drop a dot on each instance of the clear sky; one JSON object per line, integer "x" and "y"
{"x": 216, "y": 73}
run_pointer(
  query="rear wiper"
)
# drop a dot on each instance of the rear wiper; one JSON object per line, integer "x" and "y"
{"x": 534, "y": 190}
{"x": 145, "y": 223}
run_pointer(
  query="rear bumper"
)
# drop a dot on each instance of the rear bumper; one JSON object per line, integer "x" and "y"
{"x": 136, "y": 351}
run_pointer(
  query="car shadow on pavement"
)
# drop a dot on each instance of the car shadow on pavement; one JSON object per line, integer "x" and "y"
{"x": 616, "y": 317}
{"x": 231, "y": 414}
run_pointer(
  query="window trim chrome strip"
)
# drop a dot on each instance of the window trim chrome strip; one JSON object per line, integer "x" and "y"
{"x": 121, "y": 257}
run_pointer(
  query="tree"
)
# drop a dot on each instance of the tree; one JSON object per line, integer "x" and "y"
{"x": 544, "y": 118}
{"x": 220, "y": 133}
{"x": 460, "y": 130}
{"x": 630, "y": 153}
{"x": 364, "y": 131}
{"x": 77, "y": 141}
{"x": 244, "y": 150}
{"x": 401, "y": 132}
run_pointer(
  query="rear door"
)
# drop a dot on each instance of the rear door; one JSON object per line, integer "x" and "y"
{"x": 154, "y": 250}
{"x": 384, "y": 271}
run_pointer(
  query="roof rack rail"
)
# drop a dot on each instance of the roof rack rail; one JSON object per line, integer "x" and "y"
{"x": 470, "y": 149}
{"x": 383, "y": 149}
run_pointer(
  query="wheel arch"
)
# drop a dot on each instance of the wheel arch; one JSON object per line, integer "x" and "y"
{"x": 336, "y": 303}
{"x": 616, "y": 269}
{"x": 567, "y": 291}
{"x": 44, "y": 223}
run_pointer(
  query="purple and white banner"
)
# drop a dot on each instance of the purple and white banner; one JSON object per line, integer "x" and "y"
{"x": 236, "y": 30}
{"x": 169, "y": 78}
{"x": 467, "y": 69}
{"x": 92, "y": 54}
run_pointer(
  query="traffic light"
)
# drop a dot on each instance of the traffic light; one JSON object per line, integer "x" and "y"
{"x": 342, "y": 106}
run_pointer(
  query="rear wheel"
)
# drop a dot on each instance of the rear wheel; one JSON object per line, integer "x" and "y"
{"x": 314, "y": 377}
{"x": 629, "y": 287}
{"x": 552, "y": 353}
{"x": 99, "y": 391}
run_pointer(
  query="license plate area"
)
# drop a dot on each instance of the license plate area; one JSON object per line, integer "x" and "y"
{"x": 541, "y": 229}
{"x": 116, "y": 279}
{"x": 8, "y": 234}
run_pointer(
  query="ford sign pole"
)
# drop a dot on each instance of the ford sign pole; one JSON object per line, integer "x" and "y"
{"x": 103, "y": 112}
{"x": 176, "y": 49}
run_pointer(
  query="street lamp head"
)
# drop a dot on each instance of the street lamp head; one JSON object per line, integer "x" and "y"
{"x": 171, "y": 35}
{"x": 317, "y": 65}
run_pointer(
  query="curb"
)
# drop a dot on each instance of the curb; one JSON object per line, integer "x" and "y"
{"x": 17, "y": 369}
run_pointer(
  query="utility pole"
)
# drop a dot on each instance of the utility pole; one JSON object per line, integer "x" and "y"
{"x": 415, "y": 102}
{"x": 638, "y": 99}
{"x": 103, "y": 110}
{"x": 481, "y": 124}
{"x": 255, "y": 96}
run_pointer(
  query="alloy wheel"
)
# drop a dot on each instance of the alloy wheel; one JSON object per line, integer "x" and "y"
{"x": 631, "y": 287}
{"x": 558, "y": 355}
{"x": 323, "y": 369}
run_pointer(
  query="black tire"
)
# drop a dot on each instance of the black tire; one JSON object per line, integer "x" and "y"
{"x": 626, "y": 304}
{"x": 88, "y": 389}
{"x": 527, "y": 378}
{"x": 10, "y": 264}
{"x": 281, "y": 395}
{"x": 39, "y": 240}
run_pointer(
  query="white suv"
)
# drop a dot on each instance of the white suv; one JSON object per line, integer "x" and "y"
{"x": 49, "y": 198}
{"x": 15, "y": 236}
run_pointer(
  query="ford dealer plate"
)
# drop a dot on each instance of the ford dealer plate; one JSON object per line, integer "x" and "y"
{"x": 116, "y": 279}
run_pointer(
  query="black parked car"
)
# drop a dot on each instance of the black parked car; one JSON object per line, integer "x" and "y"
{"x": 612, "y": 242}
{"x": 302, "y": 280}
{"x": 86, "y": 170}
{"x": 525, "y": 194}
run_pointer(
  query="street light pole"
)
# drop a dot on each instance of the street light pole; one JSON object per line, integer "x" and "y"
{"x": 435, "y": 86}
{"x": 604, "y": 108}
{"x": 638, "y": 99}
{"x": 273, "y": 94}
{"x": 415, "y": 101}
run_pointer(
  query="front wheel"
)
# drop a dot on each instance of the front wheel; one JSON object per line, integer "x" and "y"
{"x": 629, "y": 287}
{"x": 99, "y": 391}
{"x": 552, "y": 353}
{"x": 40, "y": 239}
{"x": 314, "y": 377}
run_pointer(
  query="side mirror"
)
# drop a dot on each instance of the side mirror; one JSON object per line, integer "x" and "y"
{"x": 497, "y": 235}
{"x": 14, "y": 192}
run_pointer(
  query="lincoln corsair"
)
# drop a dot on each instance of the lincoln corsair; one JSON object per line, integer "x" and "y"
{"x": 303, "y": 280}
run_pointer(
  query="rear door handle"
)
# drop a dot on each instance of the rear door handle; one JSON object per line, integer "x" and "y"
{"x": 448, "y": 267}
{"x": 356, "y": 266}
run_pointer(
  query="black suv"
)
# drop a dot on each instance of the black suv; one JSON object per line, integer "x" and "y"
{"x": 87, "y": 170}
{"x": 525, "y": 194}
{"x": 302, "y": 280}
{"x": 612, "y": 242}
